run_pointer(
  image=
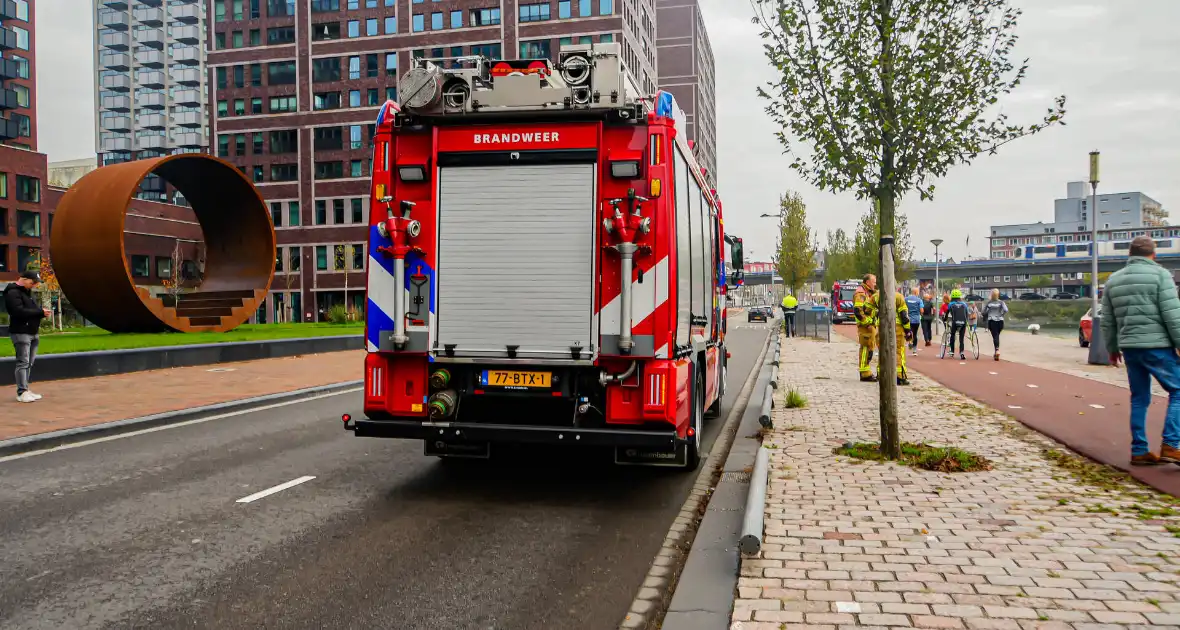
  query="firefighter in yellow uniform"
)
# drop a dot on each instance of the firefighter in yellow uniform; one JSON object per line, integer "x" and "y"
{"x": 864, "y": 309}
{"x": 903, "y": 333}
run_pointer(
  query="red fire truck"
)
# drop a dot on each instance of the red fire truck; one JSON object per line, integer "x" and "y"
{"x": 546, "y": 264}
{"x": 842, "y": 294}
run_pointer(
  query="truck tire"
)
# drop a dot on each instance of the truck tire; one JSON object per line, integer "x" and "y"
{"x": 692, "y": 459}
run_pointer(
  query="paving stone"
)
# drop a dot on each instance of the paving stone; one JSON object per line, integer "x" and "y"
{"x": 884, "y": 620}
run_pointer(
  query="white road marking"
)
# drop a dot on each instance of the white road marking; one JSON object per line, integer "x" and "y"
{"x": 1032, "y": 386}
{"x": 1097, "y": 406}
{"x": 1015, "y": 407}
{"x": 279, "y": 488}
{"x": 186, "y": 423}
{"x": 993, "y": 373}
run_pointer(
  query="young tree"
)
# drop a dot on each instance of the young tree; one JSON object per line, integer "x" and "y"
{"x": 174, "y": 283}
{"x": 50, "y": 288}
{"x": 839, "y": 261}
{"x": 1040, "y": 282}
{"x": 866, "y": 247}
{"x": 796, "y": 253}
{"x": 881, "y": 97}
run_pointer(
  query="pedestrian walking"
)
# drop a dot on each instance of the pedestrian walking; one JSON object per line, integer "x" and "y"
{"x": 790, "y": 304}
{"x": 927, "y": 317}
{"x": 956, "y": 318}
{"x": 1141, "y": 325}
{"x": 914, "y": 316}
{"x": 24, "y": 324}
{"x": 994, "y": 311}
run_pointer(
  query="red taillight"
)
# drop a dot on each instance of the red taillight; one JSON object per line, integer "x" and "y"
{"x": 691, "y": 432}
{"x": 346, "y": 418}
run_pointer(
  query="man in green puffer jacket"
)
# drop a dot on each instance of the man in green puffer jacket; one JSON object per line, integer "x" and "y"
{"x": 1141, "y": 325}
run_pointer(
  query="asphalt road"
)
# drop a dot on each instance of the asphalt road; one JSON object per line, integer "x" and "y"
{"x": 148, "y": 531}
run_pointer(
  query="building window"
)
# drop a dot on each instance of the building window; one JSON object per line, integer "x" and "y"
{"x": 280, "y": 35}
{"x": 358, "y": 257}
{"x": 283, "y": 104}
{"x": 358, "y": 211}
{"x": 3, "y": 187}
{"x": 371, "y": 27}
{"x": 583, "y": 8}
{"x": 354, "y": 68}
{"x": 321, "y": 257}
{"x": 22, "y": 37}
{"x": 339, "y": 257}
{"x": 390, "y": 25}
{"x": 293, "y": 258}
{"x": 391, "y": 64}
{"x": 255, "y": 74}
{"x": 325, "y": 31}
{"x": 485, "y": 17}
{"x": 280, "y": 73}
{"x": 28, "y": 224}
{"x": 327, "y": 138}
{"x": 563, "y": 9}
{"x": 163, "y": 267}
{"x": 491, "y": 51}
{"x": 606, "y": 7}
{"x": 255, "y": 37}
{"x": 223, "y": 108}
{"x": 419, "y": 24}
{"x": 354, "y": 98}
{"x": 223, "y": 145}
{"x": 354, "y": 28}
{"x": 293, "y": 213}
{"x": 373, "y": 96}
{"x": 240, "y": 144}
{"x": 606, "y": 38}
{"x": 321, "y": 212}
{"x": 28, "y": 189}
{"x": 326, "y": 100}
{"x": 276, "y": 213}
{"x": 535, "y": 50}
{"x": 329, "y": 170}
{"x": 338, "y": 211}
{"x": 323, "y": 6}
{"x": 284, "y": 172}
{"x": 238, "y": 40}
{"x": 354, "y": 136}
{"x": 256, "y": 141}
{"x": 533, "y": 12}
{"x": 256, "y": 105}
{"x": 325, "y": 69}
{"x": 391, "y": 93}
{"x": 141, "y": 266}
{"x": 436, "y": 21}
{"x": 372, "y": 65}
{"x": 284, "y": 141}
{"x": 26, "y": 256}
{"x": 239, "y": 107}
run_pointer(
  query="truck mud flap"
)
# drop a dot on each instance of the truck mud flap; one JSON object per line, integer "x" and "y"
{"x": 469, "y": 450}
{"x": 630, "y": 456}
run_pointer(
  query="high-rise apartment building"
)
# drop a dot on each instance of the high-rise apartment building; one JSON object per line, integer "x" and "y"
{"x": 295, "y": 89}
{"x": 18, "y": 90}
{"x": 150, "y": 81}
{"x": 686, "y": 69}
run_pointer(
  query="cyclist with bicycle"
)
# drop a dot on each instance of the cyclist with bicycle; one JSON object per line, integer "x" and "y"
{"x": 957, "y": 314}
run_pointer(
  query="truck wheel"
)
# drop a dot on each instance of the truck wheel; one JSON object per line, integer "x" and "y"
{"x": 692, "y": 458}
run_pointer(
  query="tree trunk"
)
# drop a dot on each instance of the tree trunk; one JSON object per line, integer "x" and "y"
{"x": 887, "y": 333}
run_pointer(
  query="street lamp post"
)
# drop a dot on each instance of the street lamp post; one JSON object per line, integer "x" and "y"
{"x": 936, "y": 242}
{"x": 1098, "y": 354}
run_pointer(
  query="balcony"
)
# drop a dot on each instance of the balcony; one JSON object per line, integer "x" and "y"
{"x": 7, "y": 39}
{"x": 116, "y": 103}
{"x": 152, "y": 79}
{"x": 149, "y": 16}
{"x": 8, "y": 99}
{"x": 116, "y": 144}
{"x": 187, "y": 76}
{"x": 151, "y": 121}
{"x": 151, "y": 38}
{"x": 187, "y": 97}
{"x": 9, "y": 129}
{"x": 150, "y": 58}
{"x": 187, "y": 140}
{"x": 121, "y": 124}
{"x": 186, "y": 55}
{"x": 9, "y": 69}
{"x": 120, "y": 5}
{"x": 8, "y": 10}
{"x": 187, "y": 34}
{"x": 115, "y": 61}
{"x": 186, "y": 13}
{"x": 115, "y": 21}
{"x": 187, "y": 119}
{"x": 114, "y": 40}
{"x": 117, "y": 83}
{"x": 149, "y": 142}
{"x": 152, "y": 3}
{"x": 152, "y": 100}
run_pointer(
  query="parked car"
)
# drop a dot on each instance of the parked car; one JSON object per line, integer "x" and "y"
{"x": 758, "y": 314}
{"x": 1065, "y": 296}
{"x": 971, "y": 297}
{"x": 1031, "y": 296}
{"x": 1085, "y": 326}
{"x": 1005, "y": 296}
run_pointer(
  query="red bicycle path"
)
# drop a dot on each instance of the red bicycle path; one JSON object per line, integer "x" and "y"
{"x": 1090, "y": 417}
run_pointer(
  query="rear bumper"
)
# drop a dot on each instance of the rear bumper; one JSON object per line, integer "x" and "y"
{"x": 665, "y": 441}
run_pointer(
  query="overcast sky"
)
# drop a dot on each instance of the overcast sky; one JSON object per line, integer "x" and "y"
{"x": 1116, "y": 61}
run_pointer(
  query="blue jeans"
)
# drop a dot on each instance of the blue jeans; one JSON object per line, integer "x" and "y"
{"x": 1142, "y": 365}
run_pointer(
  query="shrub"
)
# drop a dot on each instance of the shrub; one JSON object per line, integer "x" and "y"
{"x": 338, "y": 314}
{"x": 795, "y": 400}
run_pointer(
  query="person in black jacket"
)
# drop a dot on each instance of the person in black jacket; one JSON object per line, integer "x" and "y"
{"x": 24, "y": 323}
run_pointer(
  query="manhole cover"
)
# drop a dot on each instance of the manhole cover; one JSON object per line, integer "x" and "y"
{"x": 736, "y": 477}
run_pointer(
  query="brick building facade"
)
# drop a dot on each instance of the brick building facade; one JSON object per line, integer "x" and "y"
{"x": 686, "y": 69}
{"x": 18, "y": 72}
{"x": 295, "y": 91}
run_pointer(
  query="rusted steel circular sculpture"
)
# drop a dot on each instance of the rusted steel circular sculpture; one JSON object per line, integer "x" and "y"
{"x": 86, "y": 246}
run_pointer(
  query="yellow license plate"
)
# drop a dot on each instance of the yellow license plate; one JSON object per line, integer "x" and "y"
{"x": 513, "y": 378}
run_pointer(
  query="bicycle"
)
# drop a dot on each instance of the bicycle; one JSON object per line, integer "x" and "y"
{"x": 971, "y": 336}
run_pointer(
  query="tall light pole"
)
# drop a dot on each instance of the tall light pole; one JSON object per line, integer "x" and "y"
{"x": 1098, "y": 354}
{"x": 936, "y": 242}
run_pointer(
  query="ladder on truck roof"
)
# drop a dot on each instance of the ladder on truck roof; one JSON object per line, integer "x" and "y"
{"x": 587, "y": 79}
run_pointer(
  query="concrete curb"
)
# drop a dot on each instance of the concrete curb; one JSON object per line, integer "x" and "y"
{"x": 662, "y": 575}
{"x": 69, "y": 365}
{"x": 705, "y": 594}
{"x": 44, "y": 441}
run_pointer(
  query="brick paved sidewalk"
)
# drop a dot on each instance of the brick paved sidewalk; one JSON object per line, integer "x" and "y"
{"x": 1026, "y": 546}
{"x": 83, "y": 402}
